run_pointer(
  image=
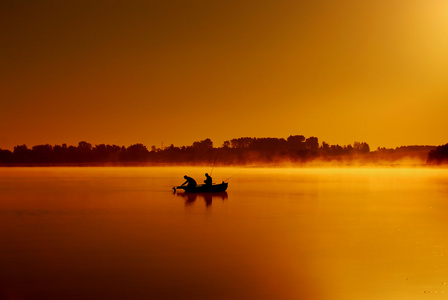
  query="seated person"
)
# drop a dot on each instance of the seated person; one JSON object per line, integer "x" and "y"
{"x": 208, "y": 180}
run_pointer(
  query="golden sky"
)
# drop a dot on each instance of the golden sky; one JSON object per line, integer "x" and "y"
{"x": 125, "y": 72}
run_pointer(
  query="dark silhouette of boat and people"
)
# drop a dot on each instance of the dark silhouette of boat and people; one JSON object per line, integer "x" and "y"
{"x": 208, "y": 190}
{"x": 190, "y": 185}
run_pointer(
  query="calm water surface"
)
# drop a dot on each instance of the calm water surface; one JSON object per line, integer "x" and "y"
{"x": 121, "y": 233}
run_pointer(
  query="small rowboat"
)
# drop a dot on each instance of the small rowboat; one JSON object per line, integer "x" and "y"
{"x": 214, "y": 188}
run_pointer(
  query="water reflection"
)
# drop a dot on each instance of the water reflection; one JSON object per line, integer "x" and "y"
{"x": 190, "y": 198}
{"x": 320, "y": 234}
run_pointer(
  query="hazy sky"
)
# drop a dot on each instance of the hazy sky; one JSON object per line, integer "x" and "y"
{"x": 125, "y": 72}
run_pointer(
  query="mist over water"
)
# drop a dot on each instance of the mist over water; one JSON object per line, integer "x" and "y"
{"x": 278, "y": 233}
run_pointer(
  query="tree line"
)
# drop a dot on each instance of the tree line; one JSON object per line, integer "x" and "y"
{"x": 238, "y": 151}
{"x": 438, "y": 155}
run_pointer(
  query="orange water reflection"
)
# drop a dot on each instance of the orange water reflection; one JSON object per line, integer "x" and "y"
{"x": 190, "y": 198}
{"x": 120, "y": 233}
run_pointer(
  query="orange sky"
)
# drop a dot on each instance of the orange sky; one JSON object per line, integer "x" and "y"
{"x": 124, "y": 72}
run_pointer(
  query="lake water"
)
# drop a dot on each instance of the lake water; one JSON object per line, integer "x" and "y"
{"x": 121, "y": 233}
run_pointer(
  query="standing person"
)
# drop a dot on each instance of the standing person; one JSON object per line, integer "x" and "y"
{"x": 191, "y": 182}
{"x": 208, "y": 179}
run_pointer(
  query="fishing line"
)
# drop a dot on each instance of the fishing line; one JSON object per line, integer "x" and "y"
{"x": 231, "y": 176}
{"x": 213, "y": 165}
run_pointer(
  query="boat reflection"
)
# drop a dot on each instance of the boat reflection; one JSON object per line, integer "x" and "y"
{"x": 190, "y": 198}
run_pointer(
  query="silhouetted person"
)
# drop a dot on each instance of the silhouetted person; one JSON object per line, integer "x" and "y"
{"x": 191, "y": 182}
{"x": 208, "y": 180}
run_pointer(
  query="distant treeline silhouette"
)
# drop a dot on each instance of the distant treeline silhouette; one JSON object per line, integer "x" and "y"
{"x": 239, "y": 151}
{"x": 438, "y": 155}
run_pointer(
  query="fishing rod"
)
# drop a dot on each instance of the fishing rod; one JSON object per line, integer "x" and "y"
{"x": 213, "y": 165}
{"x": 231, "y": 176}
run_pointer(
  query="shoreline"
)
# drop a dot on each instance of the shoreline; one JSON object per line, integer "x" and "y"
{"x": 249, "y": 165}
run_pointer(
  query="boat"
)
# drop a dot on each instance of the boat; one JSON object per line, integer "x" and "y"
{"x": 214, "y": 188}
